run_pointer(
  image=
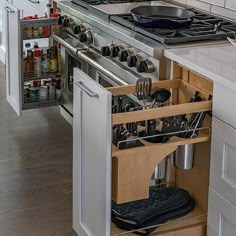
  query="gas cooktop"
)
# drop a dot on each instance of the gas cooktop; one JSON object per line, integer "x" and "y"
{"x": 204, "y": 27}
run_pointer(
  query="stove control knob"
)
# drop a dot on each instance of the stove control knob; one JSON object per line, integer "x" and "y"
{"x": 82, "y": 28}
{"x": 114, "y": 51}
{"x": 105, "y": 50}
{"x": 66, "y": 23}
{"x": 132, "y": 60}
{"x": 72, "y": 22}
{"x": 123, "y": 55}
{"x": 82, "y": 37}
{"x": 89, "y": 36}
{"x": 149, "y": 66}
{"x": 76, "y": 29}
{"x": 140, "y": 66}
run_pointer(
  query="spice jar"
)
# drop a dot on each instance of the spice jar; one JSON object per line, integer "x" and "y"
{"x": 59, "y": 62}
{"x": 45, "y": 61}
{"x": 30, "y": 64}
{"x": 53, "y": 60}
{"x": 56, "y": 29}
{"x": 37, "y": 62}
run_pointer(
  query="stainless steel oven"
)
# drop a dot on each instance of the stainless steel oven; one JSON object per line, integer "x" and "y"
{"x": 105, "y": 71}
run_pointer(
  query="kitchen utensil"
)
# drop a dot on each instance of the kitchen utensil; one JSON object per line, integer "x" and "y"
{"x": 128, "y": 108}
{"x": 160, "y": 96}
{"x": 196, "y": 123}
{"x": 143, "y": 88}
{"x": 162, "y": 17}
{"x": 120, "y": 104}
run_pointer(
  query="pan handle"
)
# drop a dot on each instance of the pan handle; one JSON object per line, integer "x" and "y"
{"x": 185, "y": 20}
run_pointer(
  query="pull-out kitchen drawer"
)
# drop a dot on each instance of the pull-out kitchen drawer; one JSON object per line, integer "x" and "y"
{"x": 221, "y": 216}
{"x": 95, "y": 157}
{"x": 223, "y": 160}
{"x": 223, "y": 104}
{"x": 23, "y": 79}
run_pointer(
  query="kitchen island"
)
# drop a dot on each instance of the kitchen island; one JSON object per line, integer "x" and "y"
{"x": 217, "y": 64}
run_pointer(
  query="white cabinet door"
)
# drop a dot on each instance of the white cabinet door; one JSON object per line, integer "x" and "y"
{"x": 221, "y": 216}
{"x": 223, "y": 160}
{"x": 91, "y": 157}
{"x": 13, "y": 58}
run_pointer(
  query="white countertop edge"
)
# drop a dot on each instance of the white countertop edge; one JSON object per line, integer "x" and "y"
{"x": 204, "y": 72}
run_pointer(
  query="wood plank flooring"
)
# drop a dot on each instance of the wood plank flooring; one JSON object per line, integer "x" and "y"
{"x": 35, "y": 171}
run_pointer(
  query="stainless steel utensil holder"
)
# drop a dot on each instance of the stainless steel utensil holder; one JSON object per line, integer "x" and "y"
{"x": 184, "y": 157}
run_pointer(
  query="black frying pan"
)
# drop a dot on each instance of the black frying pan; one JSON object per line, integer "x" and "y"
{"x": 162, "y": 17}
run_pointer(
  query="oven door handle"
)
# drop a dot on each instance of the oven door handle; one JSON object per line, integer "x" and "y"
{"x": 81, "y": 54}
{"x": 64, "y": 43}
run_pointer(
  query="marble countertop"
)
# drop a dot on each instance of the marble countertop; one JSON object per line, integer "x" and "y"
{"x": 217, "y": 63}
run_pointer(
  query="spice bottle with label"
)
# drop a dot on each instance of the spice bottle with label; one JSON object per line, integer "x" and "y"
{"x": 35, "y": 29}
{"x": 30, "y": 59}
{"x": 45, "y": 61}
{"x": 59, "y": 57}
{"x": 37, "y": 62}
{"x": 53, "y": 60}
{"x": 56, "y": 29}
{"x": 26, "y": 66}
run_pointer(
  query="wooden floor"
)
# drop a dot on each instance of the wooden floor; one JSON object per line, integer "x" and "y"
{"x": 35, "y": 171}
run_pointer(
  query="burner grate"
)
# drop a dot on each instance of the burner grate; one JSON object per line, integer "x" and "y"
{"x": 204, "y": 27}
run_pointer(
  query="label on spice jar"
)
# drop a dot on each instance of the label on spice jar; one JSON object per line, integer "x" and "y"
{"x": 53, "y": 65}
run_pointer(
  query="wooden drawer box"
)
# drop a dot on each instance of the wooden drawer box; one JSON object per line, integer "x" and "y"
{"x": 223, "y": 160}
{"x": 221, "y": 216}
{"x": 132, "y": 168}
{"x": 127, "y": 182}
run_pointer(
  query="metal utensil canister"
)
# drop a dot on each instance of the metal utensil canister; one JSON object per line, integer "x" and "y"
{"x": 160, "y": 171}
{"x": 184, "y": 157}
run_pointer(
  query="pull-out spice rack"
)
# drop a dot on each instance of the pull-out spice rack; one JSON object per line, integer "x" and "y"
{"x": 39, "y": 31}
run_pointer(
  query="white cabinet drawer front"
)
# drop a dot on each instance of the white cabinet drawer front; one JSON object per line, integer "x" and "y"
{"x": 223, "y": 160}
{"x": 224, "y": 105}
{"x": 221, "y": 216}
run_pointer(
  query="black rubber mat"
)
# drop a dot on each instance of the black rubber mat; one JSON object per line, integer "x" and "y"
{"x": 149, "y": 226}
{"x": 163, "y": 204}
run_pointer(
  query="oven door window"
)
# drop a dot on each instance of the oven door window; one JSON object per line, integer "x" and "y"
{"x": 104, "y": 82}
